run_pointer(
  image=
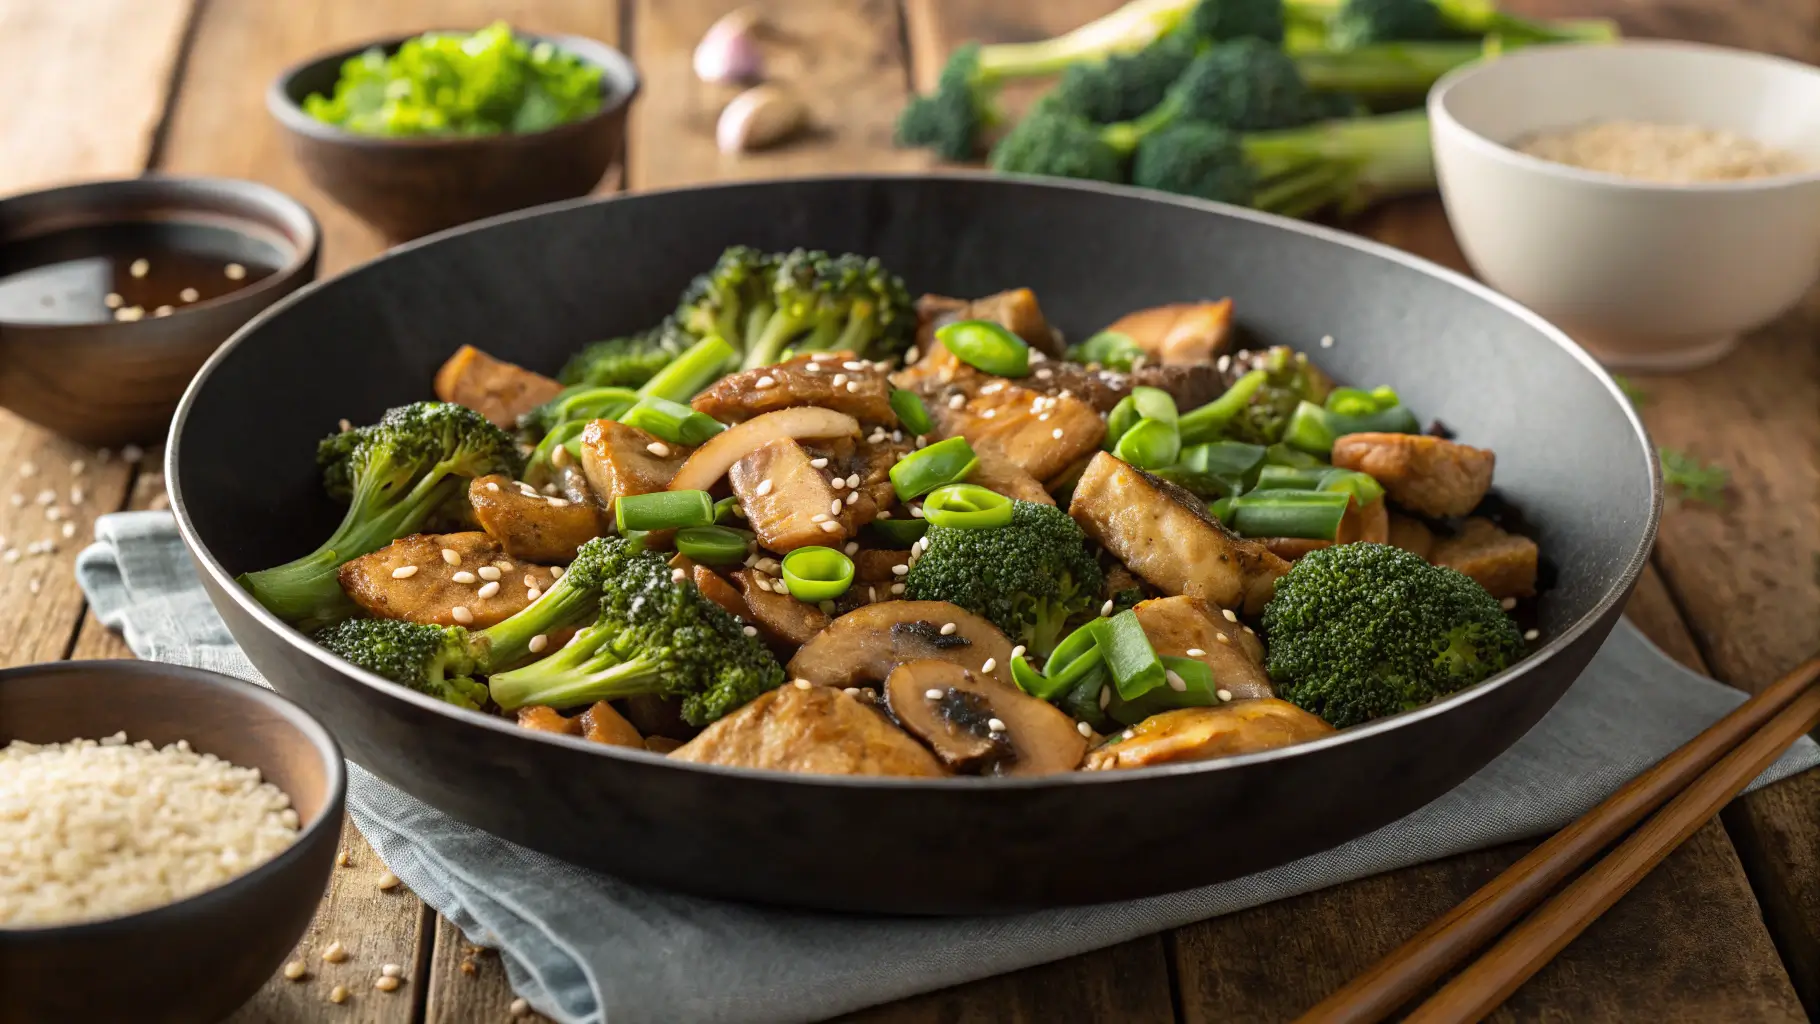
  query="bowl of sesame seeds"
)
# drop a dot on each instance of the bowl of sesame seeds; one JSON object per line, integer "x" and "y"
{"x": 165, "y": 836}
{"x": 112, "y": 293}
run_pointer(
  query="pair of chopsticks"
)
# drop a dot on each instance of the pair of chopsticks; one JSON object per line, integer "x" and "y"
{"x": 1689, "y": 785}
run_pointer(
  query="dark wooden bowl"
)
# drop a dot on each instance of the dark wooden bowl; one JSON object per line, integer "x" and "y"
{"x": 198, "y": 959}
{"x": 112, "y": 382}
{"x": 410, "y": 187}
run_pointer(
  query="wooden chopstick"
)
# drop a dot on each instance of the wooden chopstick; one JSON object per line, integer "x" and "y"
{"x": 1452, "y": 938}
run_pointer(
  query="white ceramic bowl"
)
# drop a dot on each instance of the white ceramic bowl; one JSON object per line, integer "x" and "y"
{"x": 1645, "y": 275}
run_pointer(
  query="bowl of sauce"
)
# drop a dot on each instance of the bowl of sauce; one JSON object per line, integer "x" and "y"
{"x": 113, "y": 293}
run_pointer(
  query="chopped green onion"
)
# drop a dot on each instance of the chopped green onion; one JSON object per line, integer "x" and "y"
{"x": 1074, "y": 645}
{"x": 723, "y": 509}
{"x": 899, "y": 533}
{"x": 1111, "y": 349}
{"x": 1311, "y": 515}
{"x": 1151, "y": 444}
{"x": 1206, "y": 423}
{"x": 1321, "y": 478}
{"x": 986, "y": 345}
{"x": 1154, "y": 404}
{"x": 1030, "y": 680}
{"x": 944, "y": 462}
{"x": 1222, "y": 509}
{"x": 586, "y": 403}
{"x": 560, "y": 435}
{"x": 817, "y": 574}
{"x": 1314, "y": 429}
{"x": 671, "y": 421}
{"x": 1280, "y": 454}
{"x": 700, "y": 365}
{"x": 1122, "y": 418}
{"x": 1082, "y": 696}
{"x": 714, "y": 545}
{"x": 1216, "y": 468}
{"x": 1363, "y": 487}
{"x": 1198, "y": 690}
{"x": 911, "y": 411}
{"x": 967, "y": 507}
{"x": 1129, "y": 656}
{"x": 664, "y": 510}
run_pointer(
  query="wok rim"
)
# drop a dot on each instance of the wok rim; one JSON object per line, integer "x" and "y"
{"x": 1557, "y": 646}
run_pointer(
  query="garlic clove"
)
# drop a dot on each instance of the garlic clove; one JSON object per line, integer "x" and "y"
{"x": 729, "y": 51}
{"x": 762, "y": 116}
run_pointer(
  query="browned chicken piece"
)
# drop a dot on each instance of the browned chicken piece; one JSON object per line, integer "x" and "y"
{"x": 996, "y": 472}
{"x": 863, "y": 468}
{"x": 1503, "y": 563}
{"x": 1369, "y": 524}
{"x": 1189, "y": 627}
{"x": 495, "y": 389}
{"x": 1015, "y": 310}
{"x": 1190, "y": 386}
{"x": 542, "y": 718}
{"x": 1200, "y": 734}
{"x": 621, "y": 460}
{"x": 601, "y": 724}
{"x": 531, "y": 525}
{"x": 782, "y": 620}
{"x": 1041, "y": 435}
{"x": 1167, "y": 536}
{"x": 814, "y": 729}
{"x": 832, "y": 380}
{"x": 662, "y": 744}
{"x": 715, "y": 587}
{"x": 414, "y": 579}
{"x": 1411, "y": 535}
{"x": 1181, "y": 333}
{"x": 1430, "y": 475}
{"x": 788, "y": 501}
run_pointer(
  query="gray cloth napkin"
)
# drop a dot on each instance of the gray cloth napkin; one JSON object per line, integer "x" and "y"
{"x": 584, "y": 947}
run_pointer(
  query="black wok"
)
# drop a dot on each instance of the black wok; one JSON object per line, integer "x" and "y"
{"x": 532, "y": 287}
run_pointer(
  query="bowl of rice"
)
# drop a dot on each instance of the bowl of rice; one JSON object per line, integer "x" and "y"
{"x": 1655, "y": 199}
{"x": 166, "y": 834}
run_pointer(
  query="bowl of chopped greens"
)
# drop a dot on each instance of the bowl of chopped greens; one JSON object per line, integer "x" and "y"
{"x": 419, "y": 133}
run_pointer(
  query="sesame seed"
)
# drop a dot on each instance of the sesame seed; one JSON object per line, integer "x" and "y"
{"x": 989, "y": 664}
{"x": 1227, "y": 612}
{"x": 336, "y": 953}
{"x": 556, "y": 571}
{"x": 53, "y": 513}
{"x": 1127, "y": 734}
{"x": 295, "y": 970}
{"x": 1106, "y": 609}
{"x": 767, "y": 381}
{"x": 830, "y": 527}
{"x": 813, "y": 367}
{"x": 385, "y": 983}
{"x": 69, "y": 530}
{"x": 851, "y": 549}
{"x": 533, "y": 593}
{"x": 1176, "y": 682}
{"x": 852, "y": 496}
{"x": 530, "y": 582}
{"x": 338, "y": 994}
{"x": 488, "y": 590}
{"x": 838, "y": 483}
{"x": 36, "y": 585}
{"x": 46, "y": 496}
{"x": 948, "y": 628}
{"x": 932, "y": 694}
{"x": 1222, "y": 638}
{"x": 957, "y": 401}
{"x": 803, "y": 684}
{"x": 1326, "y": 341}
{"x": 189, "y": 295}
{"x": 1223, "y": 364}
{"x": 139, "y": 268}
{"x": 988, "y": 414}
{"x": 518, "y": 1008}
{"x": 11, "y": 556}
{"x": 450, "y": 556}
{"x": 853, "y": 387}
{"x": 558, "y": 458}
{"x": 1195, "y": 652}
{"x": 1042, "y": 417}
{"x": 916, "y": 511}
{"x": 404, "y": 572}
{"x": 1083, "y": 728}
{"x": 851, "y": 691}
{"x": 659, "y": 449}
{"x": 764, "y": 487}
{"x": 113, "y": 300}
{"x": 819, "y": 517}
{"x": 1223, "y": 694}
{"x": 819, "y": 463}
{"x": 840, "y": 380}
{"x": 871, "y": 593}
{"x": 834, "y": 507}
{"x": 922, "y": 440}
{"x": 762, "y": 583}
{"x": 461, "y": 614}
{"x": 18, "y": 499}
{"x": 1044, "y": 373}
{"x": 130, "y": 314}
{"x": 1508, "y": 603}
{"x": 897, "y": 588}
{"x": 388, "y": 881}
{"x": 234, "y": 271}
{"x": 853, "y": 480}
{"x": 1105, "y": 697}
{"x": 1064, "y": 393}
{"x": 164, "y": 311}
{"x": 749, "y": 630}
{"x": 1530, "y": 634}
{"x": 77, "y": 466}
{"x": 493, "y": 486}
{"x": 1056, "y": 433}
{"x": 884, "y": 513}
{"x": 489, "y": 572}
{"x": 677, "y": 575}
{"x": 465, "y": 576}
{"x": 899, "y": 569}
{"x": 538, "y": 643}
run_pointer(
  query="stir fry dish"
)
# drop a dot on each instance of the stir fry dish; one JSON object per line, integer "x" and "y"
{"x": 809, "y": 524}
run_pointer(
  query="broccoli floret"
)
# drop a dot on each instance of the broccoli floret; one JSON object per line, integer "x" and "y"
{"x": 395, "y": 475}
{"x": 764, "y": 303}
{"x": 1122, "y": 87}
{"x": 629, "y": 361}
{"x": 1289, "y": 379}
{"x": 1028, "y": 577}
{"x": 653, "y": 635}
{"x": 1360, "y": 631}
{"x": 440, "y": 660}
{"x": 1239, "y": 19}
{"x": 954, "y": 119}
{"x": 1359, "y": 22}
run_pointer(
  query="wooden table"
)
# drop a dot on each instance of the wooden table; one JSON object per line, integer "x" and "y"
{"x": 1728, "y": 929}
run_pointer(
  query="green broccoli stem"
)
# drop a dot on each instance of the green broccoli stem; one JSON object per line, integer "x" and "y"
{"x": 508, "y": 642}
{"x": 1348, "y": 163}
{"x": 700, "y": 365}
{"x": 309, "y": 588}
{"x": 767, "y": 346}
{"x": 1126, "y": 30}
{"x": 1482, "y": 17}
{"x": 586, "y": 671}
{"x": 1384, "y": 70}
{"x": 1206, "y": 423}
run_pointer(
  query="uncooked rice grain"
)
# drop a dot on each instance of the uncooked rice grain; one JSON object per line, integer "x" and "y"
{"x": 1677, "y": 153}
{"x": 94, "y": 829}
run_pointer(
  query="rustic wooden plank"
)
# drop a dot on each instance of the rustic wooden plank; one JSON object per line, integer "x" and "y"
{"x": 467, "y": 982}
{"x": 94, "y": 640}
{"x": 844, "y": 60}
{"x": 1127, "y": 984}
{"x": 220, "y": 125}
{"x": 86, "y": 82}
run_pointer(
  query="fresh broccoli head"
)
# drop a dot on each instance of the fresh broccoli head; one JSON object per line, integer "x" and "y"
{"x": 438, "y": 661}
{"x": 629, "y": 361}
{"x": 654, "y": 635}
{"x": 1359, "y": 22}
{"x": 1028, "y": 577}
{"x": 1238, "y": 19}
{"x": 395, "y": 475}
{"x": 1360, "y": 631}
{"x": 1123, "y": 87}
{"x": 765, "y": 303}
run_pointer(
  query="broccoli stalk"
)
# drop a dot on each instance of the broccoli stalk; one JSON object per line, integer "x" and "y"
{"x": 395, "y": 475}
{"x": 765, "y": 303}
{"x": 654, "y": 635}
{"x": 964, "y": 106}
{"x": 1361, "y": 22}
{"x": 1029, "y": 577}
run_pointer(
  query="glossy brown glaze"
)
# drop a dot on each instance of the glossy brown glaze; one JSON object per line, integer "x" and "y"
{"x": 199, "y": 958}
{"x": 114, "y": 382}
{"x": 410, "y": 187}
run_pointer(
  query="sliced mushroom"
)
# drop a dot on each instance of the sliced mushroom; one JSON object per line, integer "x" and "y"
{"x": 785, "y": 622}
{"x": 862, "y": 647}
{"x": 711, "y": 461}
{"x": 1200, "y": 734}
{"x": 977, "y": 725}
